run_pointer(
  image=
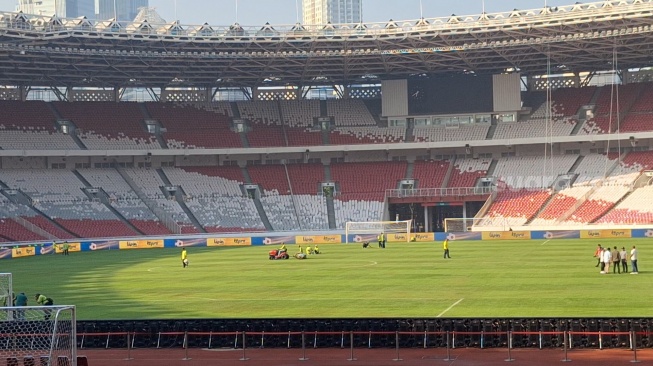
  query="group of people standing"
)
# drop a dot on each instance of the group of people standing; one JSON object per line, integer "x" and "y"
{"x": 617, "y": 259}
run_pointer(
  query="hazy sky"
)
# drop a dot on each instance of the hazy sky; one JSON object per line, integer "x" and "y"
{"x": 257, "y": 12}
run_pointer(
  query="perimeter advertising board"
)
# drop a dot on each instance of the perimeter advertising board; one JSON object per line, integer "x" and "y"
{"x": 72, "y": 247}
{"x": 394, "y": 238}
{"x": 605, "y": 234}
{"x": 422, "y": 237}
{"x": 141, "y": 244}
{"x": 318, "y": 239}
{"x": 228, "y": 242}
{"x": 23, "y": 252}
{"x": 506, "y": 235}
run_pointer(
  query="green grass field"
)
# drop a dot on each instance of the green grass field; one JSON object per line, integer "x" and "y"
{"x": 555, "y": 278}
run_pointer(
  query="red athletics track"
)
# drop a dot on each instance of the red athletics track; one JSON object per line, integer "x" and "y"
{"x": 364, "y": 357}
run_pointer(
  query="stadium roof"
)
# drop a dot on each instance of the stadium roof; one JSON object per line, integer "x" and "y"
{"x": 37, "y": 50}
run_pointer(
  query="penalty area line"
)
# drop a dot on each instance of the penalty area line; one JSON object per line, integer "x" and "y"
{"x": 450, "y": 307}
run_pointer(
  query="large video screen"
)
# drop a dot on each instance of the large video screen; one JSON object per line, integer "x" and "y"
{"x": 450, "y": 94}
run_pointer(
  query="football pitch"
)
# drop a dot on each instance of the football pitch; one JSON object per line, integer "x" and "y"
{"x": 553, "y": 278}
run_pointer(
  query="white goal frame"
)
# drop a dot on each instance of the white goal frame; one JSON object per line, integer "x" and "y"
{"x": 378, "y": 227}
{"x": 45, "y": 334}
{"x": 6, "y": 289}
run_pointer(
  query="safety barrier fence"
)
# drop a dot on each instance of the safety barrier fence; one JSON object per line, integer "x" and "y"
{"x": 353, "y": 340}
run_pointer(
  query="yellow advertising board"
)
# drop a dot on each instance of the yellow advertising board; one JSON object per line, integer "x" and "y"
{"x": 228, "y": 242}
{"x": 140, "y": 244}
{"x": 605, "y": 234}
{"x": 318, "y": 239}
{"x": 506, "y": 235}
{"x": 397, "y": 238}
{"x": 72, "y": 247}
{"x": 421, "y": 237}
{"x": 23, "y": 252}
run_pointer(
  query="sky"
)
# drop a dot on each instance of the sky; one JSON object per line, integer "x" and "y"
{"x": 257, "y": 12}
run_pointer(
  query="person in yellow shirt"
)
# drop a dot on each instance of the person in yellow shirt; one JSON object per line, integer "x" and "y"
{"x": 381, "y": 240}
{"x": 42, "y": 300}
{"x": 184, "y": 258}
{"x": 309, "y": 250}
{"x": 445, "y": 246}
{"x": 316, "y": 250}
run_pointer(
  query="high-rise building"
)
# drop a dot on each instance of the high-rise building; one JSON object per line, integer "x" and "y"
{"x": 124, "y": 10}
{"x": 317, "y": 12}
{"x": 60, "y": 8}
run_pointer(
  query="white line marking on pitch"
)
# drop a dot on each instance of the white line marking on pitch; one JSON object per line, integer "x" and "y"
{"x": 152, "y": 269}
{"x": 450, "y": 307}
{"x": 546, "y": 242}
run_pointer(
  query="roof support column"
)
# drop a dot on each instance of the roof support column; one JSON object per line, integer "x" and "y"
{"x": 530, "y": 83}
{"x": 255, "y": 94}
{"x": 626, "y": 77}
{"x": 22, "y": 90}
{"x": 116, "y": 94}
{"x": 576, "y": 79}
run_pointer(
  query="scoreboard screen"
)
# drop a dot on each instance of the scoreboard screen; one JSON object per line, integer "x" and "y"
{"x": 450, "y": 94}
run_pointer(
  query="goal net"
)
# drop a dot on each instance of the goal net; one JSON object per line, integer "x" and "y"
{"x": 6, "y": 289}
{"x": 378, "y": 227}
{"x": 458, "y": 225}
{"x": 38, "y": 335}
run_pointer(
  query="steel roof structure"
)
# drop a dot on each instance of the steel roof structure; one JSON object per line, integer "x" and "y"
{"x": 49, "y": 51}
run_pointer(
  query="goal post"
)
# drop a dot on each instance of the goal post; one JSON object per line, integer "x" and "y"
{"x": 6, "y": 289}
{"x": 40, "y": 335}
{"x": 460, "y": 225}
{"x": 378, "y": 227}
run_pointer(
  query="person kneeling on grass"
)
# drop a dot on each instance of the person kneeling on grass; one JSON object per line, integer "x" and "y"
{"x": 316, "y": 250}
{"x": 43, "y": 300}
{"x": 366, "y": 245}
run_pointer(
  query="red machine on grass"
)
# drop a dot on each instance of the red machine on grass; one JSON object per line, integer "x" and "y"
{"x": 278, "y": 254}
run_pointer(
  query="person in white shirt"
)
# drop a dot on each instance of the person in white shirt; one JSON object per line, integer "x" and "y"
{"x": 607, "y": 259}
{"x": 623, "y": 254}
{"x": 633, "y": 260}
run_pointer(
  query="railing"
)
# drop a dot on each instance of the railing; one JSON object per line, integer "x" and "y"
{"x": 438, "y": 192}
{"x": 33, "y": 228}
{"x": 446, "y": 341}
{"x": 19, "y": 21}
{"x": 164, "y": 217}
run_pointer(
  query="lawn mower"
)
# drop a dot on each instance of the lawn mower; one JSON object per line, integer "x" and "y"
{"x": 278, "y": 254}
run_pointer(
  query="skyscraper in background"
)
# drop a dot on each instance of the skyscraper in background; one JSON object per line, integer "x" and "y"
{"x": 318, "y": 12}
{"x": 64, "y": 8}
{"x": 124, "y": 10}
